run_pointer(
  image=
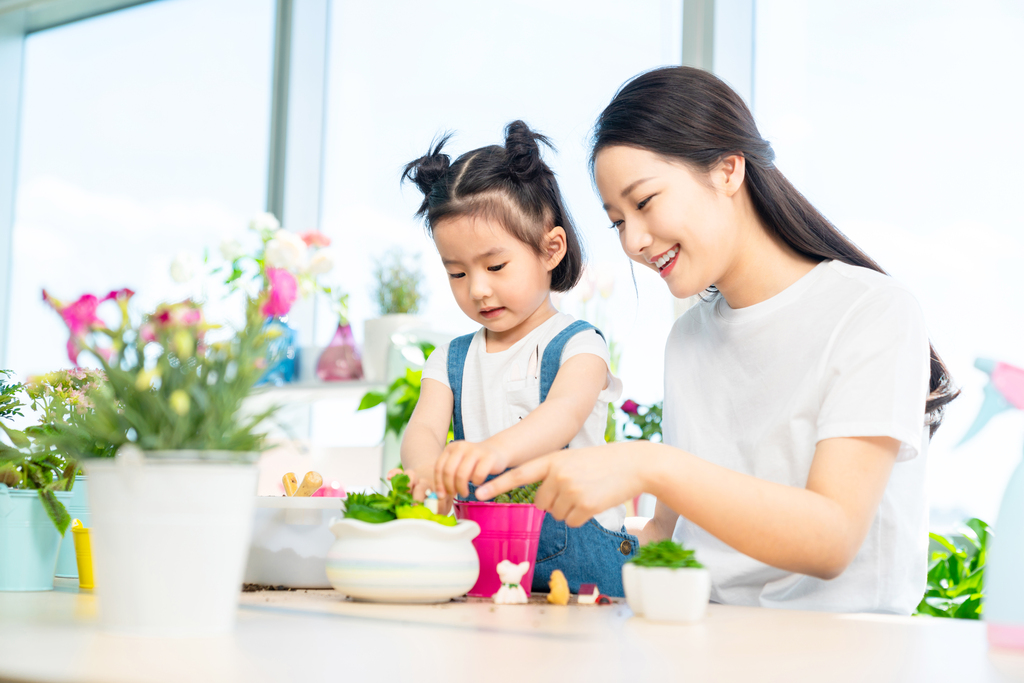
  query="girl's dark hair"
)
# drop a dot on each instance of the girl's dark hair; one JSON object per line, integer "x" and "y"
{"x": 510, "y": 184}
{"x": 689, "y": 115}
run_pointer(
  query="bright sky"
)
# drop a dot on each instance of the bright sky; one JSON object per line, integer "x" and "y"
{"x": 144, "y": 133}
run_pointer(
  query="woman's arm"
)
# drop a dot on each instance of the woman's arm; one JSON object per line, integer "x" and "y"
{"x": 816, "y": 530}
{"x": 551, "y": 426}
{"x": 425, "y": 435}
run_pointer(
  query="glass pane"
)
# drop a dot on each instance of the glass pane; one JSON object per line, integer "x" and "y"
{"x": 471, "y": 67}
{"x": 143, "y": 133}
{"x": 900, "y": 122}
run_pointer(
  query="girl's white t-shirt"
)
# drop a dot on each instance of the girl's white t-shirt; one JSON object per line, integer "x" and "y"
{"x": 843, "y": 352}
{"x": 501, "y": 388}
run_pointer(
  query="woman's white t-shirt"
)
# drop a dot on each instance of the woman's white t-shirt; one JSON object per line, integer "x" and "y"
{"x": 501, "y": 388}
{"x": 843, "y": 352}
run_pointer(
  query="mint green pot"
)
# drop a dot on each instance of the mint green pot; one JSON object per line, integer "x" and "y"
{"x": 67, "y": 565}
{"x": 29, "y": 542}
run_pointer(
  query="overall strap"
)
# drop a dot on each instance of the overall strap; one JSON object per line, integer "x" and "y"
{"x": 458, "y": 349}
{"x": 552, "y": 359}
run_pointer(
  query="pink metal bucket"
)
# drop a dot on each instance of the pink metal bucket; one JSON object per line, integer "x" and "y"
{"x": 508, "y": 531}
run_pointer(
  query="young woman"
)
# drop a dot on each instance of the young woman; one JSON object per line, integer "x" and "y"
{"x": 801, "y": 391}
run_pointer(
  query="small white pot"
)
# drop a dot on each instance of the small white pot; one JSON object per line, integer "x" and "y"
{"x": 377, "y": 341}
{"x": 663, "y": 594}
{"x": 169, "y": 534}
{"x": 290, "y": 540}
{"x": 404, "y": 560}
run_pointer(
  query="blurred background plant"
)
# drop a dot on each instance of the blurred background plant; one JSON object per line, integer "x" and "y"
{"x": 28, "y": 463}
{"x": 397, "y": 284}
{"x": 956, "y": 572}
{"x": 400, "y": 397}
{"x": 643, "y": 422}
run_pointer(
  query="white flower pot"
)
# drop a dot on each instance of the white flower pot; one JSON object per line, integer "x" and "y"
{"x": 404, "y": 560}
{"x": 290, "y": 540}
{"x": 663, "y": 594}
{"x": 170, "y": 531}
{"x": 377, "y": 341}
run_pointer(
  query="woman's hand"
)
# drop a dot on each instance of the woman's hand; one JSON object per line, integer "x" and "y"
{"x": 578, "y": 483}
{"x": 462, "y": 462}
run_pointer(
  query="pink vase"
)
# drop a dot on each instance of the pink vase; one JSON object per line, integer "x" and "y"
{"x": 340, "y": 360}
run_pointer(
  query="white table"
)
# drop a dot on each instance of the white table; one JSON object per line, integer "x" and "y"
{"x": 308, "y": 636}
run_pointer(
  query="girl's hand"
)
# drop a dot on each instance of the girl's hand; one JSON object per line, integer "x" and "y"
{"x": 462, "y": 462}
{"x": 578, "y": 483}
{"x": 420, "y": 485}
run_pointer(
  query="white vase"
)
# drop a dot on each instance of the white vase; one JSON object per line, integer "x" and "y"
{"x": 663, "y": 594}
{"x": 170, "y": 531}
{"x": 404, "y": 560}
{"x": 377, "y": 341}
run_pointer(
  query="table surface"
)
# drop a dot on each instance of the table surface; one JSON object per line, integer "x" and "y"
{"x": 321, "y": 636}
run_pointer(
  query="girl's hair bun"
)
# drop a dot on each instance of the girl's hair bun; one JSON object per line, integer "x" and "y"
{"x": 522, "y": 151}
{"x": 429, "y": 170}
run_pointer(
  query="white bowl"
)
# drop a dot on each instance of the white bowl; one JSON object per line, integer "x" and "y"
{"x": 663, "y": 594}
{"x": 404, "y": 560}
{"x": 290, "y": 540}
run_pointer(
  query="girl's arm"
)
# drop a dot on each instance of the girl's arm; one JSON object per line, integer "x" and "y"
{"x": 551, "y": 426}
{"x": 816, "y": 530}
{"x": 425, "y": 435}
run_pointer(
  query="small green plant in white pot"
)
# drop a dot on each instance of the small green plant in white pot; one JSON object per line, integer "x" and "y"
{"x": 397, "y": 293}
{"x": 172, "y": 512}
{"x": 665, "y": 582}
{"x": 34, "y": 483}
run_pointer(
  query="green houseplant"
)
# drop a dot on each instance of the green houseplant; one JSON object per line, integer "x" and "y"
{"x": 397, "y": 293}
{"x": 956, "y": 572}
{"x": 171, "y": 408}
{"x": 665, "y": 582}
{"x": 34, "y": 483}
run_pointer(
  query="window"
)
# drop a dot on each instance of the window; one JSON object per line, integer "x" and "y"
{"x": 143, "y": 133}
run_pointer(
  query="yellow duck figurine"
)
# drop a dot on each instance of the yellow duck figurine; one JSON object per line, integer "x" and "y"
{"x": 559, "y": 588}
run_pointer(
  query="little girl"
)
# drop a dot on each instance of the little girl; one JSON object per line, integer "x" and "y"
{"x": 531, "y": 380}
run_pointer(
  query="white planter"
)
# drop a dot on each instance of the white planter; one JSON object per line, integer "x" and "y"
{"x": 377, "y": 341}
{"x": 663, "y": 594}
{"x": 290, "y": 540}
{"x": 404, "y": 560}
{"x": 169, "y": 533}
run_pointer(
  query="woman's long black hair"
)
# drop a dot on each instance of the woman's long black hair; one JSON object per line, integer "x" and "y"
{"x": 690, "y": 115}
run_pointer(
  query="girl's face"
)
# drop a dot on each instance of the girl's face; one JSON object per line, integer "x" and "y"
{"x": 497, "y": 280}
{"x": 680, "y": 224}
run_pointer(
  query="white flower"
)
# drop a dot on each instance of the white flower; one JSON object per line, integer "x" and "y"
{"x": 285, "y": 250}
{"x": 264, "y": 221}
{"x": 231, "y": 249}
{"x": 184, "y": 266}
{"x": 322, "y": 262}
{"x": 306, "y": 288}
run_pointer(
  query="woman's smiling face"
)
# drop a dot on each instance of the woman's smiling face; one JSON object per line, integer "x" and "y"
{"x": 670, "y": 219}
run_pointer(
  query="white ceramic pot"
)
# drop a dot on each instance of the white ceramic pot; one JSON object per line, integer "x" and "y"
{"x": 377, "y": 341}
{"x": 404, "y": 560}
{"x": 663, "y": 594}
{"x": 170, "y": 531}
{"x": 290, "y": 540}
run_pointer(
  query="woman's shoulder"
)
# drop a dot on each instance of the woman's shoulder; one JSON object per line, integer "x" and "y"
{"x": 859, "y": 288}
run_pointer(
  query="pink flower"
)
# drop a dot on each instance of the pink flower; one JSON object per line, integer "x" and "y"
{"x": 120, "y": 294}
{"x": 315, "y": 238}
{"x": 281, "y": 293}
{"x": 80, "y": 318}
{"x": 147, "y": 333}
{"x": 631, "y": 407}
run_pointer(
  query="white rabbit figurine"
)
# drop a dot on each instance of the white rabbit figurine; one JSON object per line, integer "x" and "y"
{"x": 511, "y": 593}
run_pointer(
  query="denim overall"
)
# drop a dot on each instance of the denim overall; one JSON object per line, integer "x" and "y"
{"x": 586, "y": 554}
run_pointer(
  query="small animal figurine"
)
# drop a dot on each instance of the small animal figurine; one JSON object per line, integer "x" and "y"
{"x": 511, "y": 593}
{"x": 588, "y": 594}
{"x": 431, "y": 501}
{"x": 559, "y": 588}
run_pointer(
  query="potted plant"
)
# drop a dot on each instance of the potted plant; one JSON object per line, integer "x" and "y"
{"x": 665, "y": 582}
{"x": 172, "y": 512}
{"x": 59, "y": 399}
{"x": 34, "y": 483}
{"x": 390, "y": 548}
{"x": 397, "y": 295}
{"x": 510, "y": 527}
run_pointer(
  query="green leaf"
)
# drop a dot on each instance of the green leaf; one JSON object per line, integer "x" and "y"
{"x": 55, "y": 510}
{"x": 371, "y": 399}
{"x": 17, "y": 438}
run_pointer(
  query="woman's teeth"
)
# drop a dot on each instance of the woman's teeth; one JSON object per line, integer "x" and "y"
{"x": 668, "y": 256}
